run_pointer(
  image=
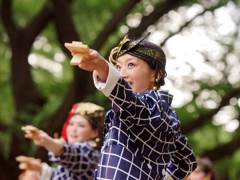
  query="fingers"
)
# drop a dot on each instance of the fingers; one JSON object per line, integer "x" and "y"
{"x": 30, "y": 128}
{"x": 38, "y": 136}
{"x": 27, "y": 162}
{"x": 22, "y": 158}
{"x": 30, "y": 131}
{"x": 24, "y": 161}
{"x": 30, "y": 163}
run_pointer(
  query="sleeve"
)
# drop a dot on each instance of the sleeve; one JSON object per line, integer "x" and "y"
{"x": 112, "y": 79}
{"x": 76, "y": 157}
{"x": 47, "y": 172}
{"x": 123, "y": 99}
{"x": 183, "y": 160}
{"x": 167, "y": 177}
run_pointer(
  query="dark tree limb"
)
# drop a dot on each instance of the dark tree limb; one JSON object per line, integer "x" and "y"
{"x": 65, "y": 28}
{"x": 223, "y": 150}
{"x": 203, "y": 118}
{"x": 3, "y": 127}
{"x": 222, "y": 3}
{"x": 111, "y": 25}
{"x": 82, "y": 81}
{"x": 26, "y": 95}
{"x": 7, "y": 18}
{"x": 162, "y": 8}
{"x": 21, "y": 40}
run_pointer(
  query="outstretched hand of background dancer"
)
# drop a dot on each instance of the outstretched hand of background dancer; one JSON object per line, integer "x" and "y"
{"x": 41, "y": 138}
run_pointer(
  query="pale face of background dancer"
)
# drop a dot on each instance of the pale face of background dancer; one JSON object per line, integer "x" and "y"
{"x": 80, "y": 130}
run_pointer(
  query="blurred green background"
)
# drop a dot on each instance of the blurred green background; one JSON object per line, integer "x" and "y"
{"x": 38, "y": 85}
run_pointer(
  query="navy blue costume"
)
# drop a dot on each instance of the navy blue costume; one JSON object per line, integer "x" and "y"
{"x": 77, "y": 161}
{"x": 142, "y": 138}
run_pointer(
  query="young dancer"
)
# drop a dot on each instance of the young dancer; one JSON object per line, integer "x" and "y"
{"x": 76, "y": 155}
{"x": 142, "y": 138}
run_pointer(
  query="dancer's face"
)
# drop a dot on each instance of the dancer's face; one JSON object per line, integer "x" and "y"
{"x": 80, "y": 130}
{"x": 136, "y": 72}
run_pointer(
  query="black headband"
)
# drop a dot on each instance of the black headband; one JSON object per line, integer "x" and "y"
{"x": 143, "y": 49}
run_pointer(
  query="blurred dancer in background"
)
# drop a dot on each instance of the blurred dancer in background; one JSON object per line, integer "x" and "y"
{"x": 75, "y": 154}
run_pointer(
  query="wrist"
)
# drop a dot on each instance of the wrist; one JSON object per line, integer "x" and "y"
{"x": 47, "y": 141}
{"x": 55, "y": 146}
{"x": 102, "y": 70}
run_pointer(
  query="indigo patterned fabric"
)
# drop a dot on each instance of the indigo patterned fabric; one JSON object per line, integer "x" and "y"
{"x": 142, "y": 138}
{"x": 77, "y": 162}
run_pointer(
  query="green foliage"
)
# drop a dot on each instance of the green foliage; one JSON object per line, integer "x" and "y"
{"x": 231, "y": 163}
{"x": 24, "y": 10}
{"x": 208, "y": 137}
{"x": 91, "y": 17}
{"x": 52, "y": 73}
{"x": 7, "y": 111}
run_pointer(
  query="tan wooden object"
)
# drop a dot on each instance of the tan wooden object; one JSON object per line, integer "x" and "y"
{"x": 24, "y": 161}
{"x": 31, "y": 130}
{"x": 79, "y": 49}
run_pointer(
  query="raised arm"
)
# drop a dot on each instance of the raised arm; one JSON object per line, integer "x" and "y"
{"x": 41, "y": 138}
{"x": 95, "y": 62}
{"x": 30, "y": 164}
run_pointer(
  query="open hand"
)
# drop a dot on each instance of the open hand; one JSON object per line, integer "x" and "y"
{"x": 91, "y": 62}
{"x": 29, "y": 163}
{"x": 38, "y": 136}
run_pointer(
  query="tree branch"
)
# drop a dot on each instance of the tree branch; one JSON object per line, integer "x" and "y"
{"x": 222, "y": 3}
{"x": 21, "y": 41}
{"x": 162, "y": 8}
{"x": 66, "y": 33}
{"x": 111, "y": 25}
{"x": 6, "y": 16}
{"x": 38, "y": 23}
{"x": 65, "y": 28}
{"x": 223, "y": 150}
{"x": 189, "y": 127}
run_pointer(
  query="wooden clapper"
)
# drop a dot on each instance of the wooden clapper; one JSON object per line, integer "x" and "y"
{"x": 80, "y": 51}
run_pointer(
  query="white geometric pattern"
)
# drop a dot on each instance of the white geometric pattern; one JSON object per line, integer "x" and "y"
{"x": 78, "y": 161}
{"x": 142, "y": 138}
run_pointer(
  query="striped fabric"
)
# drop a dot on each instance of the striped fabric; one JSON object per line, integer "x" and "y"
{"x": 77, "y": 162}
{"x": 142, "y": 138}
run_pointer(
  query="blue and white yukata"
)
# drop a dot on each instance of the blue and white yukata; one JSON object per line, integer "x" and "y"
{"x": 142, "y": 138}
{"x": 77, "y": 162}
